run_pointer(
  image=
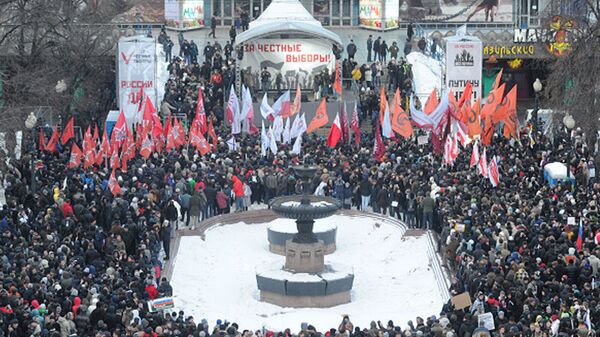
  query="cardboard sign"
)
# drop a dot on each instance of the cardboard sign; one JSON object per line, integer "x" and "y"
{"x": 460, "y": 227}
{"x": 422, "y": 140}
{"x": 486, "y": 320}
{"x": 461, "y": 301}
{"x": 159, "y": 304}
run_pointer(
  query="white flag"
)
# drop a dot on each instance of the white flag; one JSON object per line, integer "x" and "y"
{"x": 18, "y": 142}
{"x": 232, "y": 144}
{"x": 233, "y": 111}
{"x": 282, "y": 105}
{"x": 386, "y": 127}
{"x": 298, "y": 126}
{"x": 264, "y": 141}
{"x": 265, "y": 109}
{"x": 272, "y": 142}
{"x": 286, "y": 132}
{"x": 297, "y": 144}
{"x": 246, "y": 102}
{"x": 278, "y": 128}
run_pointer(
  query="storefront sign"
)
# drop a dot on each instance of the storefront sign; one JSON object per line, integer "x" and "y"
{"x": 556, "y": 37}
{"x": 509, "y": 51}
{"x": 137, "y": 69}
{"x": 380, "y": 14}
{"x": 184, "y": 14}
{"x": 463, "y": 64}
{"x": 298, "y": 60}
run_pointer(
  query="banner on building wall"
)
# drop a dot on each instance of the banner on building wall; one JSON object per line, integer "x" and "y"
{"x": 464, "y": 64}
{"x": 297, "y": 60}
{"x": 184, "y": 14}
{"x": 379, "y": 14}
{"x": 499, "y": 11}
{"x": 136, "y": 69}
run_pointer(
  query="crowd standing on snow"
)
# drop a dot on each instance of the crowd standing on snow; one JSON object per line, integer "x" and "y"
{"x": 80, "y": 260}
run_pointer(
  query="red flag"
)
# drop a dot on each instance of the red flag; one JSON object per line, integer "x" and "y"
{"x": 431, "y": 103}
{"x": 198, "y": 140}
{"x": 345, "y": 125}
{"x": 147, "y": 147}
{"x": 53, "y": 142}
{"x": 400, "y": 120}
{"x": 42, "y": 140}
{"x": 149, "y": 111}
{"x": 90, "y": 158}
{"x": 104, "y": 146}
{"x": 212, "y": 134}
{"x": 113, "y": 184}
{"x": 87, "y": 139}
{"x": 337, "y": 84}
{"x": 68, "y": 132}
{"x": 383, "y": 105}
{"x": 335, "y": 132}
{"x": 483, "y": 166}
{"x": 114, "y": 158}
{"x": 494, "y": 175}
{"x": 96, "y": 134}
{"x": 200, "y": 112}
{"x": 119, "y": 132}
{"x": 378, "y": 146}
{"x": 355, "y": 124}
{"x": 75, "y": 158}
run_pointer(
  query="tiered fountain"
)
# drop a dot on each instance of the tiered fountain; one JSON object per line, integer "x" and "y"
{"x": 305, "y": 280}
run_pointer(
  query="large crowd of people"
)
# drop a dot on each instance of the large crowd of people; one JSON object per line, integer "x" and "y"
{"x": 80, "y": 261}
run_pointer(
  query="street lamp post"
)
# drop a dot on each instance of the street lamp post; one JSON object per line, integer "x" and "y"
{"x": 569, "y": 123}
{"x": 30, "y": 123}
{"x": 537, "y": 88}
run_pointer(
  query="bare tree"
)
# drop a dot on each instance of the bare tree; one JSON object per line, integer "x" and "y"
{"x": 573, "y": 84}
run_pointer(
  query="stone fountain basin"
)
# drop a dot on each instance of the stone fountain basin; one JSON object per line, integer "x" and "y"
{"x": 278, "y": 233}
{"x": 317, "y": 208}
{"x": 328, "y": 288}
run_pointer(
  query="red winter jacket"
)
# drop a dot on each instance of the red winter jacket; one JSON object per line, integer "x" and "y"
{"x": 151, "y": 291}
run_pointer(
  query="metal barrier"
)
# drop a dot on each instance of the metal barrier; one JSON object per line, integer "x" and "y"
{"x": 441, "y": 277}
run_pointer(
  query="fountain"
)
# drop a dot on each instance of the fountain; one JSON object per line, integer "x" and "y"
{"x": 305, "y": 280}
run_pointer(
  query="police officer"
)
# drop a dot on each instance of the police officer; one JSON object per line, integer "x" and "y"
{"x": 265, "y": 79}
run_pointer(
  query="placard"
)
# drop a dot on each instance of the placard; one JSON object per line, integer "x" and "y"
{"x": 461, "y": 301}
{"x": 486, "y": 320}
{"x": 464, "y": 64}
{"x": 571, "y": 220}
{"x": 422, "y": 140}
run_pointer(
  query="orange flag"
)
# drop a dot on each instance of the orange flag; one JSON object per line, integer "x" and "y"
{"x": 320, "y": 118}
{"x": 337, "y": 84}
{"x": 382, "y": 105}
{"x": 466, "y": 95}
{"x": 296, "y": 104}
{"x": 401, "y": 122}
{"x": 511, "y": 122}
{"x": 432, "y": 102}
{"x": 474, "y": 123}
{"x": 497, "y": 81}
{"x": 493, "y": 100}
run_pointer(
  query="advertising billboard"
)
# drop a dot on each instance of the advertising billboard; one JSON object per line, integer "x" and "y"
{"x": 184, "y": 14}
{"x": 298, "y": 61}
{"x": 379, "y": 14}
{"x": 464, "y": 64}
{"x": 499, "y": 11}
{"x": 136, "y": 63}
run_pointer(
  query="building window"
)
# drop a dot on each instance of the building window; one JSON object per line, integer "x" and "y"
{"x": 321, "y": 11}
{"x": 335, "y": 7}
{"x": 346, "y": 4}
{"x": 216, "y": 5}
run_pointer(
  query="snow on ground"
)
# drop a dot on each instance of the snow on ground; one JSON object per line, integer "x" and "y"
{"x": 215, "y": 279}
{"x": 428, "y": 73}
{"x": 289, "y": 226}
